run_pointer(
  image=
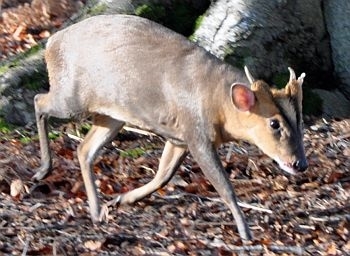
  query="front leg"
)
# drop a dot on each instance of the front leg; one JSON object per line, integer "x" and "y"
{"x": 171, "y": 159}
{"x": 204, "y": 152}
{"x": 102, "y": 131}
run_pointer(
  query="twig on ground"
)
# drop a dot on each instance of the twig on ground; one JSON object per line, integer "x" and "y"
{"x": 26, "y": 246}
{"x": 140, "y": 131}
{"x": 73, "y": 137}
{"x": 217, "y": 199}
{"x": 295, "y": 250}
{"x": 336, "y": 218}
{"x": 336, "y": 138}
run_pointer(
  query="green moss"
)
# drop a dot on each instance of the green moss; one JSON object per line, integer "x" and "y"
{"x": 191, "y": 38}
{"x": 98, "y": 9}
{"x": 16, "y": 60}
{"x": 33, "y": 50}
{"x": 5, "y": 127}
{"x": 26, "y": 140}
{"x": 4, "y": 68}
{"x": 155, "y": 12}
{"x": 21, "y": 56}
{"x": 198, "y": 22}
{"x": 36, "y": 81}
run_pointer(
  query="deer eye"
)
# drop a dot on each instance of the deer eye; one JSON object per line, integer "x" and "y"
{"x": 275, "y": 124}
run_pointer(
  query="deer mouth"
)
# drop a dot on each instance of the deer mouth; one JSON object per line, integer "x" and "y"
{"x": 287, "y": 167}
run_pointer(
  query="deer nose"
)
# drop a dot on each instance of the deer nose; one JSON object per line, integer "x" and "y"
{"x": 300, "y": 165}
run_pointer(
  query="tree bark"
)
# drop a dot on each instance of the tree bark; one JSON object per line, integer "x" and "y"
{"x": 269, "y": 36}
{"x": 18, "y": 87}
{"x": 337, "y": 16}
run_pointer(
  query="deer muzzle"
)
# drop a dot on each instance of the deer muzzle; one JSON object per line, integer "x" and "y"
{"x": 293, "y": 167}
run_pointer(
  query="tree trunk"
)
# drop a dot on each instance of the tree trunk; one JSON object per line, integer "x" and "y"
{"x": 337, "y": 16}
{"x": 269, "y": 36}
{"x": 18, "y": 87}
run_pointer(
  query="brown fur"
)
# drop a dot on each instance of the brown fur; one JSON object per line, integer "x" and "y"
{"x": 124, "y": 69}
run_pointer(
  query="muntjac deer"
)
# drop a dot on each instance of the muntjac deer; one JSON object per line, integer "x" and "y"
{"x": 125, "y": 69}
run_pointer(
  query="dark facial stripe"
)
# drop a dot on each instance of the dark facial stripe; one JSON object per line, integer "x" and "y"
{"x": 289, "y": 111}
{"x": 294, "y": 101}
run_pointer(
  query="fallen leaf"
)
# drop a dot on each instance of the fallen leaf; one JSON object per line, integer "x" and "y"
{"x": 44, "y": 34}
{"x": 332, "y": 249}
{"x": 310, "y": 185}
{"x": 93, "y": 245}
{"x": 346, "y": 247}
{"x": 334, "y": 176}
{"x": 16, "y": 187}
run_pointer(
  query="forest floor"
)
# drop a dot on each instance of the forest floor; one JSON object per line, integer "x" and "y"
{"x": 306, "y": 214}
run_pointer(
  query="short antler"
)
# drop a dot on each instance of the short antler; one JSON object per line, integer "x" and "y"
{"x": 249, "y": 75}
{"x": 292, "y": 75}
{"x": 301, "y": 79}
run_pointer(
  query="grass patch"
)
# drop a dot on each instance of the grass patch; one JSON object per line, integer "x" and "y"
{"x": 18, "y": 58}
{"x": 133, "y": 153}
{"x": 54, "y": 135}
{"x": 5, "y": 128}
{"x": 26, "y": 140}
{"x": 4, "y": 68}
{"x": 138, "y": 151}
{"x": 36, "y": 79}
{"x": 31, "y": 51}
{"x": 85, "y": 128}
{"x": 98, "y": 9}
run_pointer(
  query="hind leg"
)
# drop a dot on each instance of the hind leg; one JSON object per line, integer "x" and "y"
{"x": 45, "y": 106}
{"x": 171, "y": 159}
{"x": 41, "y": 122}
{"x": 103, "y": 130}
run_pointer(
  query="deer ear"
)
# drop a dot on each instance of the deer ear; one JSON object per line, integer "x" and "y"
{"x": 242, "y": 97}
